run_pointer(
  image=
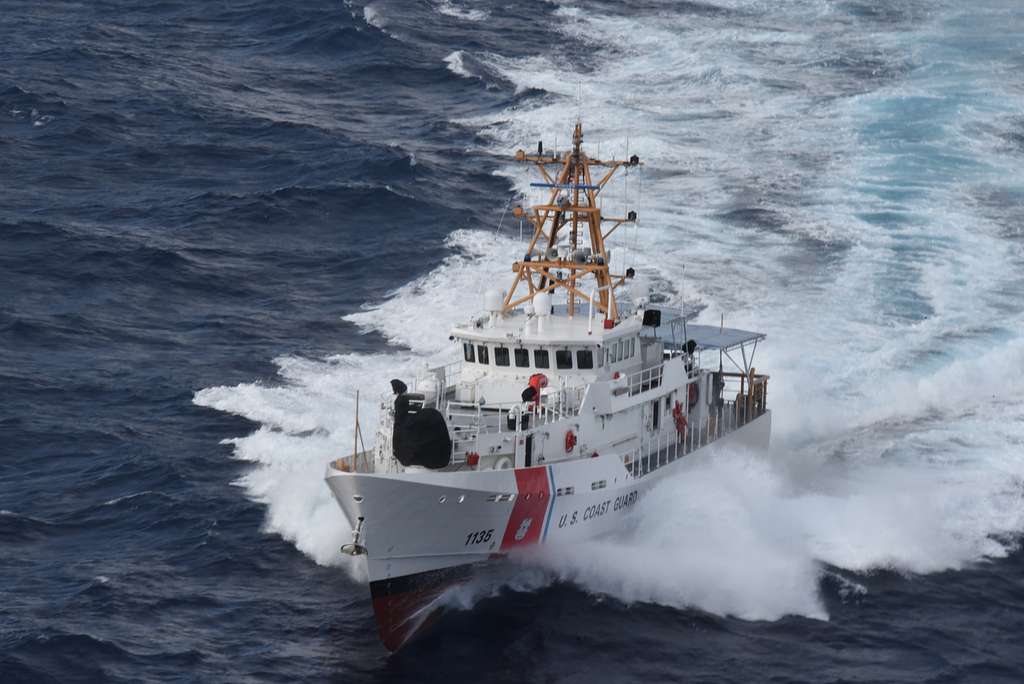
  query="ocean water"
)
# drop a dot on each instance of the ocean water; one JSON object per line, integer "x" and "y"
{"x": 220, "y": 220}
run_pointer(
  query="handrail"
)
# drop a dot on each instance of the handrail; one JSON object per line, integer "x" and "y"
{"x": 475, "y": 418}
{"x": 638, "y": 381}
{"x": 646, "y": 379}
{"x": 742, "y": 398}
{"x": 667, "y": 444}
{"x": 751, "y": 392}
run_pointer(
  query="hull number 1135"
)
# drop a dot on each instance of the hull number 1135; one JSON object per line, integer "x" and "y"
{"x": 481, "y": 537}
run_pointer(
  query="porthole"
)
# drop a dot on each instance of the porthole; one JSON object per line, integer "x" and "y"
{"x": 462, "y": 497}
{"x": 442, "y": 499}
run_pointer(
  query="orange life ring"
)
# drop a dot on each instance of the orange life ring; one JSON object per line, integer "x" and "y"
{"x": 570, "y": 441}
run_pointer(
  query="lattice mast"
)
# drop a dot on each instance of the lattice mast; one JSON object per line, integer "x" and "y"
{"x": 571, "y": 206}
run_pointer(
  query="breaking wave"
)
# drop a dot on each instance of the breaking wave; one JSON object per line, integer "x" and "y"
{"x": 449, "y": 8}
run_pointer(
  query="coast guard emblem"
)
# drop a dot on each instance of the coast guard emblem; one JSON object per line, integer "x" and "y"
{"x": 524, "y": 527}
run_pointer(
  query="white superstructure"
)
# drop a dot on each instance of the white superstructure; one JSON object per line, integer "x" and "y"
{"x": 565, "y": 406}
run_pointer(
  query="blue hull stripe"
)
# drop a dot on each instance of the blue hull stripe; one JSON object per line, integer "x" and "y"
{"x": 551, "y": 503}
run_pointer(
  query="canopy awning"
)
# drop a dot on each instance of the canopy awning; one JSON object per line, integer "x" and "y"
{"x": 714, "y": 337}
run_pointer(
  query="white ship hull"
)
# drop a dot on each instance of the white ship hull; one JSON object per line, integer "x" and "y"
{"x": 425, "y": 531}
{"x": 556, "y": 419}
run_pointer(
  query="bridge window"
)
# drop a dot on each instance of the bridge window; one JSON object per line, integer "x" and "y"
{"x": 522, "y": 358}
{"x": 501, "y": 356}
{"x": 482, "y": 354}
{"x": 584, "y": 359}
{"x": 467, "y": 351}
{"x": 540, "y": 359}
{"x": 563, "y": 359}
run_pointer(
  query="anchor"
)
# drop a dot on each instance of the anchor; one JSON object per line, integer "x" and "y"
{"x": 355, "y": 548}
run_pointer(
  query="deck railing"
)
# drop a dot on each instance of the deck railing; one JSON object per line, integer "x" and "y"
{"x": 668, "y": 444}
{"x": 639, "y": 381}
{"x": 748, "y": 393}
{"x": 468, "y": 420}
{"x": 445, "y": 378}
{"x": 746, "y": 400}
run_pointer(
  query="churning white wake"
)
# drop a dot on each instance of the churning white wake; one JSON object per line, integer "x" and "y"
{"x": 306, "y": 421}
{"x": 841, "y": 211}
{"x": 751, "y": 534}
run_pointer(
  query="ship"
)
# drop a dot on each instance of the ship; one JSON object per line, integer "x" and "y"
{"x": 568, "y": 401}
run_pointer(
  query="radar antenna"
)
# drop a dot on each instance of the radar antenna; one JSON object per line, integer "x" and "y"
{"x": 571, "y": 207}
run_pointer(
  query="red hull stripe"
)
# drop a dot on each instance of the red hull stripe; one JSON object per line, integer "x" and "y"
{"x": 532, "y": 500}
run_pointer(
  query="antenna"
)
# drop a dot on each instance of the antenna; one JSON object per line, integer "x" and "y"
{"x": 625, "y": 181}
{"x": 502, "y": 219}
{"x": 636, "y": 222}
{"x": 682, "y": 303}
{"x": 625, "y": 207}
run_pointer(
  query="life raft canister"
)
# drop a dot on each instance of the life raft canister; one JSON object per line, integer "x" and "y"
{"x": 570, "y": 441}
{"x": 680, "y": 418}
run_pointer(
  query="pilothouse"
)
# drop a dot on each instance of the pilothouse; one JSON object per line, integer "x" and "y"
{"x": 566, "y": 403}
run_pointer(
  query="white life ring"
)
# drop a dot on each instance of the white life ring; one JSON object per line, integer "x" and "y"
{"x": 503, "y": 463}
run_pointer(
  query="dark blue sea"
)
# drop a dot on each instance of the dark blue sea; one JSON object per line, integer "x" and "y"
{"x": 219, "y": 220}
